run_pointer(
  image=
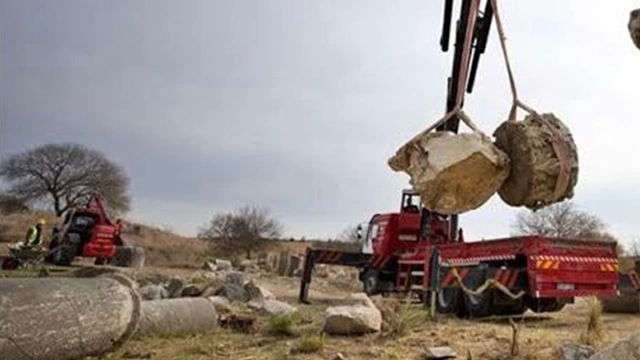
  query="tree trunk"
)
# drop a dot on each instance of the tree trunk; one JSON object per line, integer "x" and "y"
{"x": 66, "y": 318}
{"x": 56, "y": 204}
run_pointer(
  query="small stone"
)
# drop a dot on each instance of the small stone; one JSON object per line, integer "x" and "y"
{"x": 234, "y": 293}
{"x": 235, "y": 278}
{"x": 175, "y": 287}
{"x": 634, "y": 27}
{"x": 153, "y": 292}
{"x": 352, "y": 320}
{"x": 576, "y": 352}
{"x": 274, "y": 307}
{"x": 439, "y": 352}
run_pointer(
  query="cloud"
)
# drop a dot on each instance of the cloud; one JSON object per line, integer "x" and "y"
{"x": 296, "y": 105}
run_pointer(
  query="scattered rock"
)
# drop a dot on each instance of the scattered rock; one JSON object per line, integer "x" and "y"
{"x": 338, "y": 356}
{"x": 234, "y": 293}
{"x": 235, "y": 278}
{"x": 361, "y": 299}
{"x": 175, "y": 287}
{"x": 212, "y": 287}
{"x": 575, "y": 352}
{"x": 535, "y": 165}
{"x": 634, "y": 27}
{"x": 258, "y": 294}
{"x": 153, "y": 292}
{"x": 94, "y": 271}
{"x": 273, "y": 307}
{"x": 453, "y": 173}
{"x": 628, "y": 349}
{"x": 440, "y": 352}
{"x": 192, "y": 291}
{"x": 222, "y": 304}
{"x": 352, "y": 320}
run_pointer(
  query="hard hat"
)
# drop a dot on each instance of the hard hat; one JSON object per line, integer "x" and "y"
{"x": 42, "y": 222}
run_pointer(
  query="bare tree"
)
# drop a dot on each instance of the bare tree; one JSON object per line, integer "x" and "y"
{"x": 563, "y": 220}
{"x": 350, "y": 235}
{"x": 245, "y": 229}
{"x": 65, "y": 175}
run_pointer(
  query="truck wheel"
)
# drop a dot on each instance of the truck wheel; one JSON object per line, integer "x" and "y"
{"x": 517, "y": 308}
{"x": 63, "y": 255}
{"x": 448, "y": 300}
{"x": 370, "y": 282}
{"x": 545, "y": 305}
{"x": 479, "y": 305}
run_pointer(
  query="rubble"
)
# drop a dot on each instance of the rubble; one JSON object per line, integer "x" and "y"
{"x": 175, "y": 287}
{"x": 355, "y": 319}
{"x": 273, "y": 307}
{"x": 153, "y": 292}
{"x": 634, "y": 27}
{"x": 535, "y": 179}
{"x": 40, "y": 318}
{"x": 257, "y": 294}
{"x": 222, "y": 304}
{"x": 177, "y": 316}
{"x": 453, "y": 173}
{"x": 575, "y": 352}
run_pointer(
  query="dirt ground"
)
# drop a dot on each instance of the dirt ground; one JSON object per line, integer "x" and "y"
{"x": 539, "y": 334}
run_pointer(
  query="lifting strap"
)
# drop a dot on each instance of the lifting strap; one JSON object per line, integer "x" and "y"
{"x": 558, "y": 143}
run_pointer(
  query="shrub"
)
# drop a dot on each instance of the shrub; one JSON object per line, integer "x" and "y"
{"x": 406, "y": 318}
{"x": 280, "y": 325}
{"x": 594, "y": 332}
{"x": 309, "y": 344}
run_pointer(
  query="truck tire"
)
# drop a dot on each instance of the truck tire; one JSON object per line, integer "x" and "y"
{"x": 128, "y": 256}
{"x": 370, "y": 282}
{"x": 448, "y": 300}
{"x": 545, "y": 305}
{"x": 517, "y": 308}
{"x": 63, "y": 255}
{"x": 479, "y": 305}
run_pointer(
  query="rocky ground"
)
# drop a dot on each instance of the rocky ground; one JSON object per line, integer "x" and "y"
{"x": 406, "y": 330}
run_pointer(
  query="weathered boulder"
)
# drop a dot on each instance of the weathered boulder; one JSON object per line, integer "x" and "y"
{"x": 634, "y": 27}
{"x": 192, "y": 290}
{"x": 453, "y": 173}
{"x": 361, "y": 318}
{"x": 628, "y": 349}
{"x": 235, "y": 278}
{"x": 273, "y": 307}
{"x": 257, "y": 293}
{"x": 212, "y": 287}
{"x": 535, "y": 149}
{"x": 575, "y": 352}
{"x": 153, "y": 292}
{"x": 218, "y": 265}
{"x": 175, "y": 287}
{"x": 234, "y": 293}
{"x": 439, "y": 353}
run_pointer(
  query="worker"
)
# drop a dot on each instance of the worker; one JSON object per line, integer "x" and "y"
{"x": 34, "y": 234}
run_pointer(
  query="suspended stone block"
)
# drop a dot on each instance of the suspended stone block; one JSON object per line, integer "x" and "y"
{"x": 453, "y": 173}
{"x": 535, "y": 149}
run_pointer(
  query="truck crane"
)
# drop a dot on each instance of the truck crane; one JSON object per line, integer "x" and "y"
{"x": 418, "y": 251}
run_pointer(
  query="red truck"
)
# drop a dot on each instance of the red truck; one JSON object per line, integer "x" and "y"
{"x": 415, "y": 250}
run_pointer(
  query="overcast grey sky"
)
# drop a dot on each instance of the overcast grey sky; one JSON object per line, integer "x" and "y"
{"x": 297, "y": 104}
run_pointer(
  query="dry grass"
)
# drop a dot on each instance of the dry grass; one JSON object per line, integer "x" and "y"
{"x": 280, "y": 325}
{"x": 309, "y": 344}
{"x": 166, "y": 249}
{"x": 406, "y": 317}
{"x": 595, "y": 332}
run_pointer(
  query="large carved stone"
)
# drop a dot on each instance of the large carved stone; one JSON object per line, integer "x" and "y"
{"x": 533, "y": 147}
{"x": 453, "y": 173}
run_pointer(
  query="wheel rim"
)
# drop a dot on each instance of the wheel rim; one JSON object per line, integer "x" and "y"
{"x": 370, "y": 284}
{"x": 445, "y": 298}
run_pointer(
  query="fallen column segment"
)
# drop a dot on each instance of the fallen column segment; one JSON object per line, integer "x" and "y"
{"x": 65, "y": 318}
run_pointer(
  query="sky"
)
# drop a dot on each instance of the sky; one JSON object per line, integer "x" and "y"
{"x": 296, "y": 105}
